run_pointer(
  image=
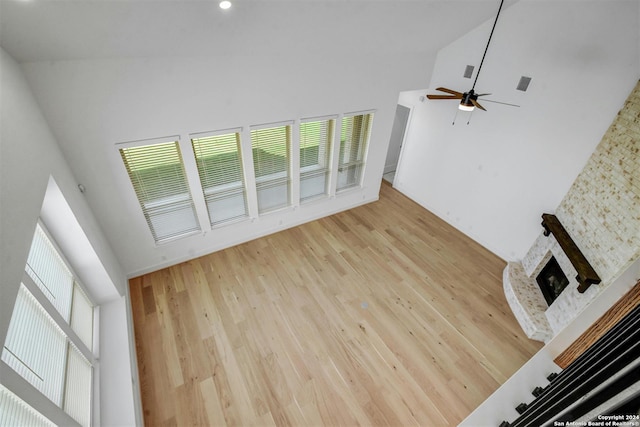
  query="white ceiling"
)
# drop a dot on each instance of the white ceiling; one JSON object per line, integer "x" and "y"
{"x": 51, "y": 30}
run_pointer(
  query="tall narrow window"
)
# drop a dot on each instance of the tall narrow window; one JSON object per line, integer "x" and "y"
{"x": 158, "y": 177}
{"x": 15, "y": 412}
{"x": 354, "y": 138}
{"x": 50, "y": 273}
{"x": 220, "y": 168}
{"x": 50, "y": 348}
{"x": 316, "y": 140}
{"x": 36, "y": 347}
{"x": 77, "y": 390}
{"x": 272, "y": 165}
{"x": 82, "y": 316}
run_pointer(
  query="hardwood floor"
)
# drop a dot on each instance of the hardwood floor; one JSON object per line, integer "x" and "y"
{"x": 382, "y": 315}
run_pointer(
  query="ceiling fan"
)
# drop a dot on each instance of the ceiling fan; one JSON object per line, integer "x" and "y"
{"x": 469, "y": 100}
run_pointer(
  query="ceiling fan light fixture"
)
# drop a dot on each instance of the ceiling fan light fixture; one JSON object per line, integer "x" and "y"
{"x": 468, "y": 100}
{"x": 465, "y": 106}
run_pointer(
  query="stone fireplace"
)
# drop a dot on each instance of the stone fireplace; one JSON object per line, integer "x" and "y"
{"x": 601, "y": 214}
{"x": 543, "y": 316}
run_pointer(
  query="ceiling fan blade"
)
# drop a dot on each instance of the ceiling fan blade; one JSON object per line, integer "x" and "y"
{"x": 498, "y": 102}
{"x": 444, "y": 97}
{"x": 483, "y": 94}
{"x": 475, "y": 103}
{"x": 453, "y": 92}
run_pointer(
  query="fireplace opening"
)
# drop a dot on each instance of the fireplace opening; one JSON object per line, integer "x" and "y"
{"x": 552, "y": 280}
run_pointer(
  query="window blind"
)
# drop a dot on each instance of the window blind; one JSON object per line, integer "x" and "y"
{"x": 159, "y": 180}
{"x": 82, "y": 316}
{"x": 272, "y": 163}
{"x": 50, "y": 273}
{"x": 15, "y": 412}
{"x": 219, "y": 164}
{"x": 354, "y": 137}
{"x": 316, "y": 138}
{"x": 35, "y": 347}
{"x": 77, "y": 396}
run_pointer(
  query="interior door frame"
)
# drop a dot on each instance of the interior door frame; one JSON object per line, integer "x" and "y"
{"x": 404, "y": 137}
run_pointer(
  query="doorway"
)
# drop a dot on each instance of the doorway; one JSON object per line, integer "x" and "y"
{"x": 395, "y": 142}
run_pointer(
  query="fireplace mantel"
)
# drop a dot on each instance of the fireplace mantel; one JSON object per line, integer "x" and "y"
{"x": 586, "y": 276}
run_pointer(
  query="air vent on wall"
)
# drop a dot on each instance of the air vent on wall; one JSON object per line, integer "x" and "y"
{"x": 523, "y": 84}
{"x": 468, "y": 71}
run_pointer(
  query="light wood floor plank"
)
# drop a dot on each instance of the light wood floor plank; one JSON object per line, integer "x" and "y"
{"x": 381, "y": 315}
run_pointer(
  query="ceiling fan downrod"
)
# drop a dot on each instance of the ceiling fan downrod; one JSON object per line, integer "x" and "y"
{"x": 487, "y": 48}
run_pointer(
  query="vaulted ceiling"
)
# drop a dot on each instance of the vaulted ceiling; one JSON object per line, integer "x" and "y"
{"x": 37, "y": 30}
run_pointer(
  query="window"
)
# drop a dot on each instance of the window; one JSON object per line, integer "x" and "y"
{"x": 159, "y": 180}
{"x": 15, "y": 412}
{"x": 316, "y": 140}
{"x": 220, "y": 168}
{"x": 36, "y": 347}
{"x": 50, "y": 273}
{"x": 50, "y": 334}
{"x": 272, "y": 164}
{"x": 354, "y": 137}
{"x": 174, "y": 206}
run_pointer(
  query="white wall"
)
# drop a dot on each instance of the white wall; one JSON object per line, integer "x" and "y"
{"x": 22, "y": 188}
{"x": 493, "y": 178}
{"x": 30, "y": 163}
{"x": 117, "y": 397}
{"x": 93, "y": 105}
{"x": 29, "y": 157}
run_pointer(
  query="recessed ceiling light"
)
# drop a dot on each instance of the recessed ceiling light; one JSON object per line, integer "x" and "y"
{"x": 225, "y": 4}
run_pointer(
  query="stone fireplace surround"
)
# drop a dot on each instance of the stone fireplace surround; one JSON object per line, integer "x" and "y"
{"x": 538, "y": 320}
{"x": 601, "y": 213}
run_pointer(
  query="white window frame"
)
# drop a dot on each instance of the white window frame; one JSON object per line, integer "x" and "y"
{"x": 363, "y": 162}
{"x": 237, "y": 188}
{"x": 166, "y": 201}
{"x": 319, "y": 169}
{"x": 13, "y": 382}
{"x": 277, "y": 178}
